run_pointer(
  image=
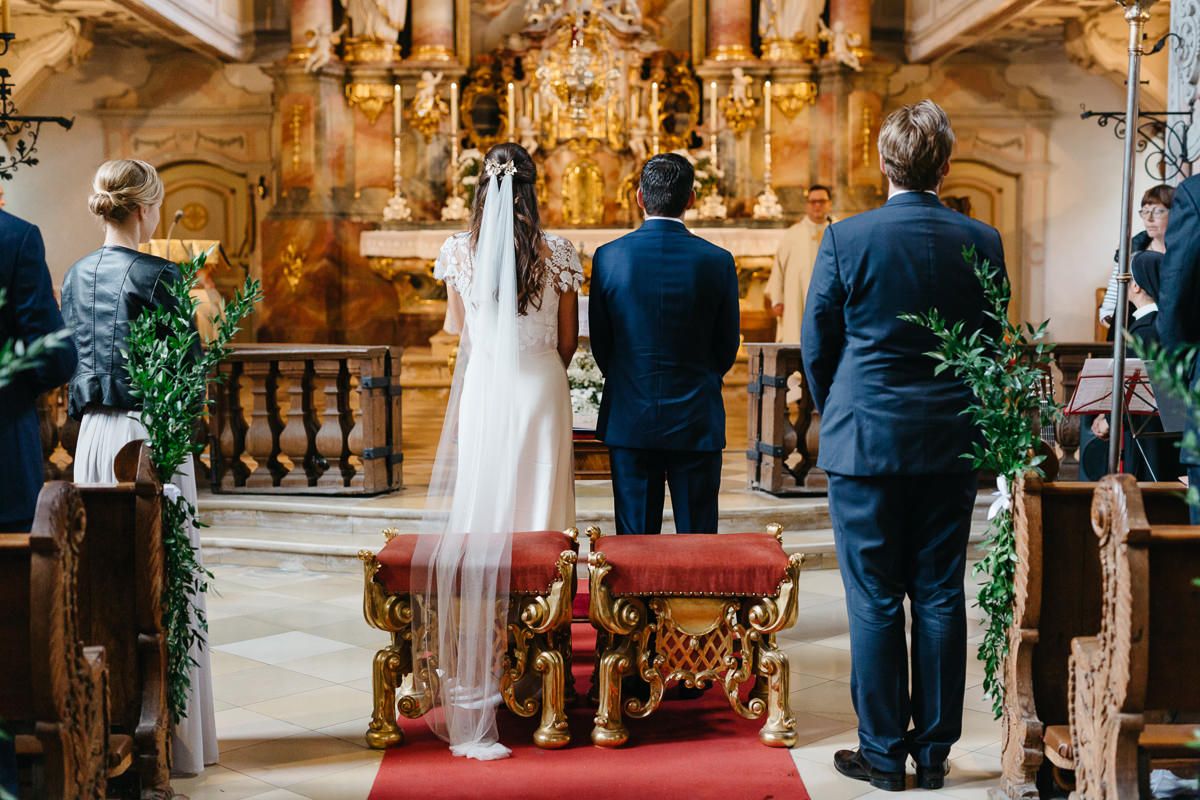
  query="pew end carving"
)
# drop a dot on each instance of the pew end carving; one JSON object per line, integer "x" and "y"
{"x": 1134, "y": 697}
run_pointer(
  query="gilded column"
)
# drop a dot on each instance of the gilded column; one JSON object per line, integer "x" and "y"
{"x": 855, "y": 19}
{"x": 432, "y": 31}
{"x": 729, "y": 30}
{"x": 309, "y": 17}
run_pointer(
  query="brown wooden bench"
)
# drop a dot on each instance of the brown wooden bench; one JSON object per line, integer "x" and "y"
{"x": 53, "y": 690}
{"x": 695, "y": 608}
{"x": 541, "y": 594}
{"x": 121, "y": 574}
{"x": 1058, "y": 597}
{"x": 1135, "y": 699}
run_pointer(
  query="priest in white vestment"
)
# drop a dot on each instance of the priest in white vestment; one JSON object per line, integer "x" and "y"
{"x": 793, "y": 267}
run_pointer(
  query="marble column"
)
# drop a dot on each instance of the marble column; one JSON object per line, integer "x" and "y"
{"x": 855, "y": 16}
{"x": 729, "y": 30}
{"x": 432, "y": 31}
{"x": 309, "y": 16}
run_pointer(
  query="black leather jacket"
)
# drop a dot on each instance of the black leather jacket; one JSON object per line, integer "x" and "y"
{"x": 102, "y": 294}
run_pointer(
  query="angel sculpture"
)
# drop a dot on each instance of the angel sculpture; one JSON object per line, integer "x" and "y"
{"x": 527, "y": 134}
{"x": 739, "y": 87}
{"x": 379, "y": 20}
{"x": 843, "y": 45}
{"x": 321, "y": 43}
{"x": 639, "y": 139}
{"x": 426, "y": 100}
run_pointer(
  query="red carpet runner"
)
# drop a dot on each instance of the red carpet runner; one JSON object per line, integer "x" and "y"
{"x": 687, "y": 750}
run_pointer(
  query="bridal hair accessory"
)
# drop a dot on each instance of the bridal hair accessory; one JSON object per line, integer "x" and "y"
{"x": 494, "y": 169}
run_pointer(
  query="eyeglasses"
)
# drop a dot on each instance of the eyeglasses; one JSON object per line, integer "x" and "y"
{"x": 818, "y": 200}
{"x": 1153, "y": 212}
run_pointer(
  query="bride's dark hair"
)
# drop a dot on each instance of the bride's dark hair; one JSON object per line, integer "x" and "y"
{"x": 527, "y": 227}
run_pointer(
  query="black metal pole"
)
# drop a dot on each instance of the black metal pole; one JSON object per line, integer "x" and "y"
{"x": 1137, "y": 14}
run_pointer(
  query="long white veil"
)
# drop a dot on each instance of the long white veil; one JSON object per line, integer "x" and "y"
{"x": 461, "y": 569}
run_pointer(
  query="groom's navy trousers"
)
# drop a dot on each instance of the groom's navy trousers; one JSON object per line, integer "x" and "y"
{"x": 893, "y": 437}
{"x": 664, "y": 328}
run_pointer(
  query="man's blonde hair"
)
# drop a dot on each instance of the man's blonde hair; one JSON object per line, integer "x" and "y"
{"x": 915, "y": 143}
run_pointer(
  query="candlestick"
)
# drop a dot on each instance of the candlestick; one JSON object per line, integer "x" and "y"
{"x": 713, "y": 126}
{"x": 537, "y": 109}
{"x": 655, "y": 123}
{"x": 554, "y": 122}
{"x": 512, "y": 112}
{"x": 767, "y": 106}
{"x": 396, "y": 121}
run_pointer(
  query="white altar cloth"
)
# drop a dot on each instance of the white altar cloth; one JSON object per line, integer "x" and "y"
{"x": 426, "y": 242}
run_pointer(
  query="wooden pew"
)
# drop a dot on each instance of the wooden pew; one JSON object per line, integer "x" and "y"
{"x": 1135, "y": 699}
{"x": 121, "y": 574}
{"x": 52, "y": 688}
{"x": 1058, "y": 597}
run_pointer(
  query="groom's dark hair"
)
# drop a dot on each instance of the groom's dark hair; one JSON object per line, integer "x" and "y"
{"x": 666, "y": 185}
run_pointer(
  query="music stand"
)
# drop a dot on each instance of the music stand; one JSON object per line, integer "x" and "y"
{"x": 1093, "y": 395}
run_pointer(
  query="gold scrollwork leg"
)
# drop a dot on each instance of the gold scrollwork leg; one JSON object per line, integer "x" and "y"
{"x": 780, "y": 728}
{"x": 553, "y": 732}
{"x": 610, "y": 730}
{"x": 386, "y": 674}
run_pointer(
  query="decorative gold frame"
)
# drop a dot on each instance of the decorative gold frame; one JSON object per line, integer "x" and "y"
{"x": 539, "y": 638}
{"x": 696, "y": 640}
{"x": 793, "y": 97}
{"x": 679, "y": 79}
{"x": 484, "y": 80}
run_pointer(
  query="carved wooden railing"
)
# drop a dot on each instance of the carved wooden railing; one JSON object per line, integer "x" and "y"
{"x": 304, "y": 419}
{"x": 784, "y": 427}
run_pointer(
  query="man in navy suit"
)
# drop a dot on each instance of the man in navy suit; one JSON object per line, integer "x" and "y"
{"x": 892, "y": 439}
{"x": 29, "y": 311}
{"x": 663, "y": 313}
{"x": 1179, "y": 293}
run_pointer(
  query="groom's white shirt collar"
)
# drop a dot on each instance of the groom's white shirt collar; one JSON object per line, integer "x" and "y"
{"x": 672, "y": 219}
{"x": 892, "y": 192}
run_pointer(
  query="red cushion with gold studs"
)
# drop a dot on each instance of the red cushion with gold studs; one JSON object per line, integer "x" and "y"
{"x": 534, "y": 560}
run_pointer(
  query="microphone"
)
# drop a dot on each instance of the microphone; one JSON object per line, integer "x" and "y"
{"x": 171, "y": 230}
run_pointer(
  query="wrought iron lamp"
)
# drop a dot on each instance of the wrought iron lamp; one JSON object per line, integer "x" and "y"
{"x": 20, "y": 131}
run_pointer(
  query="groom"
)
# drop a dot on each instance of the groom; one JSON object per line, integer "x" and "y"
{"x": 663, "y": 313}
{"x": 892, "y": 439}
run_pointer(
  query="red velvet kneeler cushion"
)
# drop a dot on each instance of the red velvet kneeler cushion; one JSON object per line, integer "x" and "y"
{"x": 534, "y": 557}
{"x": 719, "y": 565}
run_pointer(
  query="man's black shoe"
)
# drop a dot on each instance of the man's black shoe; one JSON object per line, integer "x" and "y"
{"x": 932, "y": 777}
{"x": 853, "y": 764}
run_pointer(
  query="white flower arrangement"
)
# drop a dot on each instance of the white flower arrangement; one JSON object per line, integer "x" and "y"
{"x": 587, "y": 385}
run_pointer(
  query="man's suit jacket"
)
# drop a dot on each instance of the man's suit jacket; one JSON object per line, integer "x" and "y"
{"x": 1179, "y": 294}
{"x": 664, "y": 324}
{"x": 883, "y": 411}
{"x": 29, "y": 311}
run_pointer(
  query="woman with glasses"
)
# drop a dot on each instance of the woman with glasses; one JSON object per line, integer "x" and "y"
{"x": 1155, "y": 210}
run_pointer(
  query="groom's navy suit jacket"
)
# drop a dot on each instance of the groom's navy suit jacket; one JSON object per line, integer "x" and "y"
{"x": 883, "y": 411}
{"x": 664, "y": 325}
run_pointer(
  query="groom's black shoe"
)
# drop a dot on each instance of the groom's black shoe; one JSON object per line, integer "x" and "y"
{"x": 853, "y": 764}
{"x": 932, "y": 777}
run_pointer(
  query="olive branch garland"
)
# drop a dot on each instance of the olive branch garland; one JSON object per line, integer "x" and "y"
{"x": 172, "y": 383}
{"x": 1005, "y": 373}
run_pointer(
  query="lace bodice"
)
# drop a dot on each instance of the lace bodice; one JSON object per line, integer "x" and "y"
{"x": 538, "y": 329}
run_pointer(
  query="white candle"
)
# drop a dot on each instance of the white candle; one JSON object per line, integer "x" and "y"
{"x": 767, "y": 106}
{"x": 715, "y": 126}
{"x": 396, "y": 109}
{"x": 454, "y": 111}
{"x": 512, "y": 112}
{"x": 5, "y": 22}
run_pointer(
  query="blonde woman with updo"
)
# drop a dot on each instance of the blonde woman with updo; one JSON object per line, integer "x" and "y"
{"x": 103, "y": 293}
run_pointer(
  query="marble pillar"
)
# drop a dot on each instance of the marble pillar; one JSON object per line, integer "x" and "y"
{"x": 855, "y": 16}
{"x": 309, "y": 17}
{"x": 432, "y": 31}
{"x": 729, "y": 31}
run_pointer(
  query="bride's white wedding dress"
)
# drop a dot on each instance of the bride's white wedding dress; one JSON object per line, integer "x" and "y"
{"x": 545, "y": 480}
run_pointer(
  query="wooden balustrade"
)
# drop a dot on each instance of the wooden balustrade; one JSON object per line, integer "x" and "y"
{"x": 784, "y": 426}
{"x": 307, "y": 419}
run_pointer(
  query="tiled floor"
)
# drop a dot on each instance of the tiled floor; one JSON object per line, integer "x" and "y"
{"x": 292, "y": 663}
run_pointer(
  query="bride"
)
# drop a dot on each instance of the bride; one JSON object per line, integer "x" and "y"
{"x": 505, "y": 460}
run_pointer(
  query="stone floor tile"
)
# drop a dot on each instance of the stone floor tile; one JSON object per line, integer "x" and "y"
{"x": 263, "y": 683}
{"x": 352, "y": 784}
{"x": 340, "y": 666}
{"x": 220, "y": 783}
{"x": 318, "y": 708}
{"x": 241, "y": 727}
{"x": 283, "y": 647}
{"x": 823, "y": 782}
{"x": 823, "y": 662}
{"x": 239, "y": 629}
{"x": 286, "y": 762}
